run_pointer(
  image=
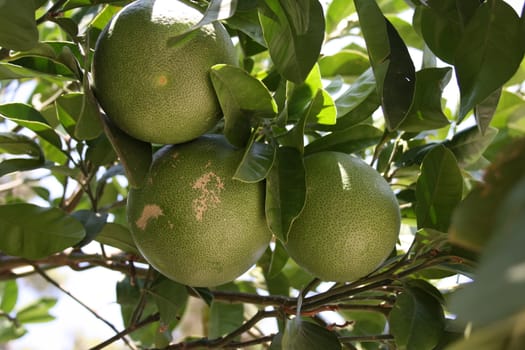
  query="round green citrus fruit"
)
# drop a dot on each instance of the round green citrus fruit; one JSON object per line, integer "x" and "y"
{"x": 153, "y": 80}
{"x": 192, "y": 221}
{"x": 350, "y": 221}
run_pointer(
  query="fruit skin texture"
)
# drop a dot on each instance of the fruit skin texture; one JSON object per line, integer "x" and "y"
{"x": 192, "y": 221}
{"x": 350, "y": 222}
{"x": 155, "y": 92}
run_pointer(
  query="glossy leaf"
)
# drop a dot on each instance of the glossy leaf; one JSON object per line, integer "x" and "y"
{"x": 243, "y": 99}
{"x": 303, "y": 335}
{"x": 256, "y": 162}
{"x": 468, "y": 145}
{"x": 285, "y": 191}
{"x": 37, "y": 312}
{"x": 28, "y": 117}
{"x": 13, "y": 143}
{"x": 117, "y": 236}
{"x": 501, "y": 266}
{"x": 18, "y": 29}
{"x": 171, "y": 299}
{"x": 393, "y": 68}
{"x": 360, "y": 113}
{"x": 426, "y": 112}
{"x": 487, "y": 55}
{"x": 10, "y": 71}
{"x": 135, "y": 155}
{"x": 350, "y": 140}
{"x": 439, "y": 189}
{"x": 49, "y": 231}
{"x": 293, "y": 52}
{"x": 416, "y": 320}
{"x": 225, "y": 317}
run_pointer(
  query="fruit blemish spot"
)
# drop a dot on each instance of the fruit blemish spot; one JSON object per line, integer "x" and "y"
{"x": 209, "y": 187}
{"x": 162, "y": 80}
{"x": 150, "y": 211}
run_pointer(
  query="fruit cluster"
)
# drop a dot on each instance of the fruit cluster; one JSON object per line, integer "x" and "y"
{"x": 190, "y": 219}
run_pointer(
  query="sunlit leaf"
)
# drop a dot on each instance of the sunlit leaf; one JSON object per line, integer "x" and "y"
{"x": 487, "y": 54}
{"x": 244, "y": 100}
{"x": 350, "y": 140}
{"x": 348, "y": 63}
{"x": 37, "y": 312}
{"x": 439, "y": 189}
{"x": 8, "y": 295}
{"x": 285, "y": 191}
{"x": 294, "y": 53}
{"x": 49, "y": 231}
{"x": 357, "y": 93}
{"x": 337, "y": 11}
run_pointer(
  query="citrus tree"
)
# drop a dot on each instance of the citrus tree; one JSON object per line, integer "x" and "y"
{"x": 426, "y": 97}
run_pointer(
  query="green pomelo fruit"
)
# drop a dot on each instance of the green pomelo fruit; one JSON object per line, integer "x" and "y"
{"x": 154, "y": 82}
{"x": 350, "y": 222}
{"x": 192, "y": 221}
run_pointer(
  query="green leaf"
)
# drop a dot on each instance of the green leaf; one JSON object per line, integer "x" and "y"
{"x": 244, "y": 101}
{"x": 8, "y": 295}
{"x": 9, "y": 71}
{"x": 93, "y": 223}
{"x": 18, "y": 29}
{"x": 10, "y": 331}
{"x": 501, "y": 266}
{"x": 337, "y": 11}
{"x": 393, "y": 68}
{"x": 439, "y": 189}
{"x": 28, "y": 117}
{"x": 275, "y": 262}
{"x": 348, "y": 63}
{"x": 303, "y": 335}
{"x": 484, "y": 111}
{"x": 171, "y": 299}
{"x": 350, "y": 140}
{"x": 285, "y": 191}
{"x": 294, "y": 48}
{"x": 416, "y": 320}
{"x": 441, "y": 23}
{"x": 225, "y": 317}
{"x": 13, "y": 143}
{"x": 79, "y": 114}
{"x": 474, "y": 219}
{"x": 426, "y": 112}
{"x": 357, "y": 93}
{"x": 37, "y": 312}
{"x": 135, "y": 155}
{"x": 468, "y": 145}
{"x": 487, "y": 54}
{"x": 256, "y": 162}
{"x": 49, "y": 231}
{"x": 117, "y": 236}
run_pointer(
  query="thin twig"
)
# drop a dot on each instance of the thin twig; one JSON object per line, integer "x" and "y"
{"x": 48, "y": 278}
{"x": 146, "y": 321}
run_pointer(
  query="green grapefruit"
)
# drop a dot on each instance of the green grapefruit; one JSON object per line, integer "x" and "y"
{"x": 153, "y": 90}
{"x": 350, "y": 221}
{"x": 192, "y": 221}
